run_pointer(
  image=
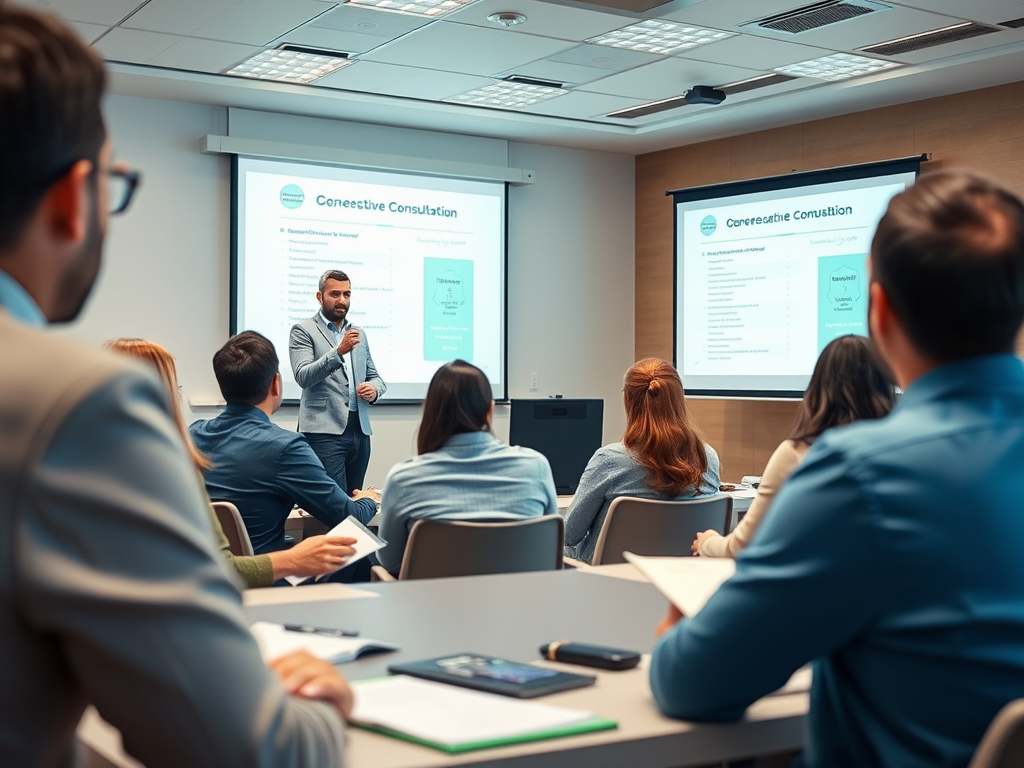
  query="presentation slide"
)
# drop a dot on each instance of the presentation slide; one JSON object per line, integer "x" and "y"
{"x": 426, "y": 257}
{"x": 765, "y": 280}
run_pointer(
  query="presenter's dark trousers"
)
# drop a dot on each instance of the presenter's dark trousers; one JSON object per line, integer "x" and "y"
{"x": 346, "y": 456}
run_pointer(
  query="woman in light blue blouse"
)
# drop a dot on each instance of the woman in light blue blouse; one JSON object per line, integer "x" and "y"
{"x": 661, "y": 456}
{"x": 462, "y": 472}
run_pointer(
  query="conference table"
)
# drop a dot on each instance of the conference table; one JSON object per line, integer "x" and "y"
{"x": 511, "y": 616}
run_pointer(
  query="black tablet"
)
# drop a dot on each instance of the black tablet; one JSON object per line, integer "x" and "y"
{"x": 486, "y": 673}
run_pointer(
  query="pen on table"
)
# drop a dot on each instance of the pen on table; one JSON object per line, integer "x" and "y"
{"x": 326, "y": 631}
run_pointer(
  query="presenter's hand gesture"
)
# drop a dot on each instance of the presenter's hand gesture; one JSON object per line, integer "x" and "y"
{"x": 673, "y": 617}
{"x": 367, "y": 391}
{"x": 308, "y": 677}
{"x": 348, "y": 341}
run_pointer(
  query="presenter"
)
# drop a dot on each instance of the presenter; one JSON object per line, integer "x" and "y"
{"x": 331, "y": 361}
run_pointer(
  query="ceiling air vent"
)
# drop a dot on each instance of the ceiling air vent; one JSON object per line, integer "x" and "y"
{"x": 1012, "y": 23}
{"x": 533, "y": 81}
{"x": 817, "y": 15}
{"x": 650, "y": 109}
{"x": 928, "y": 39}
{"x": 755, "y": 82}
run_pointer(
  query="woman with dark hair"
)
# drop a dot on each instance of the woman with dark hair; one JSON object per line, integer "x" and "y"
{"x": 661, "y": 456}
{"x": 462, "y": 472}
{"x": 847, "y": 385}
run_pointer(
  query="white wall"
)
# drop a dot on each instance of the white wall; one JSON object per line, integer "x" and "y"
{"x": 165, "y": 276}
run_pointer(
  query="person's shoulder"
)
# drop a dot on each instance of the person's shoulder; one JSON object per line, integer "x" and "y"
{"x": 305, "y": 326}
{"x": 613, "y": 453}
{"x": 711, "y": 453}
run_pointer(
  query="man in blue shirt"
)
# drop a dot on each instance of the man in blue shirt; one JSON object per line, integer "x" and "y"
{"x": 260, "y": 467}
{"x": 892, "y": 557}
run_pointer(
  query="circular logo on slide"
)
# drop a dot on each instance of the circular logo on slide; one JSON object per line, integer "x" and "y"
{"x": 292, "y": 196}
{"x": 708, "y": 225}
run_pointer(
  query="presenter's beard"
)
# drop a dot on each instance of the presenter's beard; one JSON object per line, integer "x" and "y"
{"x": 80, "y": 276}
{"x": 336, "y": 315}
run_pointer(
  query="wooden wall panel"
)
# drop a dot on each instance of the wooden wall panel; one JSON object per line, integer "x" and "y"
{"x": 982, "y": 130}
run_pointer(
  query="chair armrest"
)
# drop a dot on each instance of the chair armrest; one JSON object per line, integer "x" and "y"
{"x": 380, "y": 573}
{"x": 573, "y": 563}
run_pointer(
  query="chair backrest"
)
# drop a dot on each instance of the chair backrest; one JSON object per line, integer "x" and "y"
{"x": 439, "y": 548}
{"x": 1003, "y": 743}
{"x": 658, "y": 528}
{"x": 231, "y": 521}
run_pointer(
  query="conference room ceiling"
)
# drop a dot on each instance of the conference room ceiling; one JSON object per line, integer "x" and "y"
{"x": 404, "y": 69}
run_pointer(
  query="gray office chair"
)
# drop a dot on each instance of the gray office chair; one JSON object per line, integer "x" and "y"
{"x": 658, "y": 528}
{"x": 438, "y": 548}
{"x": 231, "y": 521}
{"x": 1003, "y": 743}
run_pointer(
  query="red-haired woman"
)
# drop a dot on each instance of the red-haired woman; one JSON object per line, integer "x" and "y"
{"x": 661, "y": 456}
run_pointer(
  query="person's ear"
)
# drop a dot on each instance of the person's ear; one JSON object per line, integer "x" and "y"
{"x": 490, "y": 415}
{"x": 276, "y": 386}
{"x": 67, "y": 203}
{"x": 319, "y": 298}
{"x": 880, "y": 314}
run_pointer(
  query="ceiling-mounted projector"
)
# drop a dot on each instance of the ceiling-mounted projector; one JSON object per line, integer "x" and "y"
{"x": 704, "y": 94}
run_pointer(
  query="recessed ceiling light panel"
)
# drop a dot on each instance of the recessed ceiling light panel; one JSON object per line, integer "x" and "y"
{"x": 838, "y": 66}
{"x": 662, "y": 37}
{"x": 429, "y": 8}
{"x": 507, "y": 95}
{"x": 289, "y": 65}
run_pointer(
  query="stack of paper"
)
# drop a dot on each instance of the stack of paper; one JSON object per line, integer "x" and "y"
{"x": 274, "y": 641}
{"x": 457, "y": 720}
{"x": 687, "y": 582}
{"x": 366, "y": 544}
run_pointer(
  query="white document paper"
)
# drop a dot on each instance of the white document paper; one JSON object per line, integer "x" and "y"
{"x": 274, "y": 641}
{"x": 366, "y": 544}
{"x": 445, "y": 714}
{"x": 687, "y": 582}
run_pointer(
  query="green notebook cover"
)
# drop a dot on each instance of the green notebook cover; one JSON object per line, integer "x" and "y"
{"x": 587, "y": 726}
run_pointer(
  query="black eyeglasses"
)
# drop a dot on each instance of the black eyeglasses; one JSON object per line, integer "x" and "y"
{"x": 121, "y": 186}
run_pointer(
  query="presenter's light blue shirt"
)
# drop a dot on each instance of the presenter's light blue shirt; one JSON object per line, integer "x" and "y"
{"x": 18, "y": 303}
{"x": 894, "y": 558}
{"x": 474, "y": 476}
{"x": 346, "y": 360}
{"x": 264, "y": 469}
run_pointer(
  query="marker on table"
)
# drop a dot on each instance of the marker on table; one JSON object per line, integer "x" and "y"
{"x": 325, "y": 631}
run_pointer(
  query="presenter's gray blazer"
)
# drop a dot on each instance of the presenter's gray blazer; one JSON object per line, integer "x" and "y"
{"x": 111, "y": 590}
{"x": 323, "y": 407}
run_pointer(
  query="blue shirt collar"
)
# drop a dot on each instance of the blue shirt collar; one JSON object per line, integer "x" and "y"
{"x": 470, "y": 438}
{"x": 331, "y": 326}
{"x": 987, "y": 373}
{"x": 241, "y": 409}
{"x": 18, "y": 303}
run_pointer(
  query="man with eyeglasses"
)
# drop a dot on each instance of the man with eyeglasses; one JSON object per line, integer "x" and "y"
{"x": 111, "y": 591}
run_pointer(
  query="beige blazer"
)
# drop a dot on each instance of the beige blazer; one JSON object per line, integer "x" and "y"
{"x": 780, "y": 466}
{"x": 111, "y": 590}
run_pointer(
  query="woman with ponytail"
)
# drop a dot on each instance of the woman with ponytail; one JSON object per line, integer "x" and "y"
{"x": 661, "y": 456}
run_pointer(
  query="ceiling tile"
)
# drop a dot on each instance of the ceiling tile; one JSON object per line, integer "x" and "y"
{"x": 604, "y": 58}
{"x": 88, "y": 32}
{"x": 756, "y": 52}
{"x": 434, "y": 86}
{"x": 251, "y": 22}
{"x": 545, "y": 19}
{"x": 582, "y": 105}
{"x": 365, "y": 76}
{"x": 866, "y": 30}
{"x": 133, "y": 46}
{"x": 204, "y": 55}
{"x": 546, "y": 69}
{"x": 727, "y": 14}
{"x": 353, "y": 30}
{"x": 466, "y": 49}
{"x": 671, "y": 77}
{"x": 107, "y": 12}
{"x": 989, "y": 11}
{"x": 330, "y": 39}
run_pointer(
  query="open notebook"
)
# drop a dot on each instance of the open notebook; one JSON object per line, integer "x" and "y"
{"x": 274, "y": 640}
{"x": 458, "y": 720}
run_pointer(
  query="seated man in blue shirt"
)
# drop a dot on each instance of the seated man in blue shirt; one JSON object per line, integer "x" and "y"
{"x": 262, "y": 468}
{"x": 893, "y": 555}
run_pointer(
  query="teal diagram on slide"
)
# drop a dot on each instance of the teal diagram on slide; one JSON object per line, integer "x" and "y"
{"x": 842, "y": 297}
{"x": 447, "y": 309}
